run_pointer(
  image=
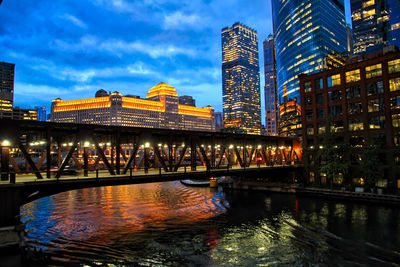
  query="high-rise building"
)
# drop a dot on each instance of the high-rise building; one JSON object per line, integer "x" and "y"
{"x": 376, "y": 23}
{"x": 187, "y": 100}
{"x": 307, "y": 34}
{"x": 241, "y": 79}
{"x": 271, "y": 118}
{"x": 41, "y": 113}
{"x": 350, "y": 46}
{"x": 6, "y": 89}
{"x": 161, "y": 109}
{"x": 219, "y": 121}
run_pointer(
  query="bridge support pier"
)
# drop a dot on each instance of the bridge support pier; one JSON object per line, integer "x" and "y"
{"x": 5, "y": 169}
{"x": 10, "y": 200}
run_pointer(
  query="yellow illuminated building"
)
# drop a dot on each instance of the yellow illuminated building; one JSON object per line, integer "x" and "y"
{"x": 241, "y": 79}
{"x": 161, "y": 109}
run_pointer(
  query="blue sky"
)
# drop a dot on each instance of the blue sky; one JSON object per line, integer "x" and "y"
{"x": 72, "y": 48}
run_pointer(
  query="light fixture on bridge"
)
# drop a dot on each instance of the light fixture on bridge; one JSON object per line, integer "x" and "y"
{"x": 42, "y": 142}
{"x": 231, "y": 146}
{"x": 259, "y": 147}
{"x": 183, "y": 144}
{"x": 160, "y": 145}
{"x": 281, "y": 147}
{"x": 86, "y": 144}
{"x": 6, "y": 143}
{"x": 147, "y": 145}
{"x": 70, "y": 144}
{"x": 108, "y": 144}
{"x": 64, "y": 145}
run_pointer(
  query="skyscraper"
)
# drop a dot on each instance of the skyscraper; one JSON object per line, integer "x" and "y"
{"x": 307, "y": 32}
{"x": 350, "y": 46}
{"x": 41, "y": 113}
{"x": 6, "y": 89}
{"x": 376, "y": 23}
{"x": 241, "y": 79}
{"x": 271, "y": 121}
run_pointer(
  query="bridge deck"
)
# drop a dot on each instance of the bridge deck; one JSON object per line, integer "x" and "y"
{"x": 24, "y": 179}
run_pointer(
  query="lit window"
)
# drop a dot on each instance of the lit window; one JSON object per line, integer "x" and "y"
{"x": 396, "y": 120}
{"x": 376, "y": 105}
{"x": 395, "y": 102}
{"x": 310, "y": 129}
{"x": 353, "y": 76}
{"x": 334, "y": 80}
{"x": 373, "y": 71}
{"x": 356, "y": 125}
{"x": 377, "y": 122}
{"x": 394, "y": 66}
{"x": 307, "y": 87}
{"x": 394, "y": 84}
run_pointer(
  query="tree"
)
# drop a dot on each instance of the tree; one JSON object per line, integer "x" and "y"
{"x": 369, "y": 164}
{"x": 333, "y": 149}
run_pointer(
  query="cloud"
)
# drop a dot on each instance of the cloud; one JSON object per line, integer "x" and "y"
{"x": 74, "y": 20}
{"x": 180, "y": 20}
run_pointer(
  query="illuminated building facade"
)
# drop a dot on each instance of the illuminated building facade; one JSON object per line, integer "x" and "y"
{"x": 360, "y": 102}
{"x": 24, "y": 114}
{"x": 290, "y": 117}
{"x": 306, "y": 32}
{"x": 241, "y": 79}
{"x": 271, "y": 116}
{"x": 6, "y": 89}
{"x": 161, "y": 109}
{"x": 376, "y": 23}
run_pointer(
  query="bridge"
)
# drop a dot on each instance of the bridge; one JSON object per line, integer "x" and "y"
{"x": 44, "y": 158}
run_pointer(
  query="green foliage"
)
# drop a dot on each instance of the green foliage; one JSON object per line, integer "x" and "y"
{"x": 370, "y": 163}
{"x": 333, "y": 149}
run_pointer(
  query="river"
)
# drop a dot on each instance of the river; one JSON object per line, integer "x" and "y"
{"x": 169, "y": 224}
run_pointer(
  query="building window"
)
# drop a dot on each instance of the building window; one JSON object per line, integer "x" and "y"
{"x": 321, "y": 128}
{"x": 353, "y": 92}
{"x": 396, "y": 139}
{"x": 335, "y": 111}
{"x": 334, "y": 96}
{"x": 356, "y": 125}
{"x": 336, "y": 126}
{"x": 353, "y": 76}
{"x": 320, "y": 99}
{"x": 375, "y": 88}
{"x": 394, "y": 66}
{"x": 334, "y": 80}
{"x": 309, "y": 115}
{"x": 354, "y": 108}
{"x": 394, "y": 84}
{"x": 377, "y": 122}
{"x": 395, "y": 102}
{"x": 376, "y": 105}
{"x": 320, "y": 113}
{"x": 311, "y": 178}
{"x": 307, "y": 87}
{"x": 357, "y": 141}
{"x": 396, "y": 120}
{"x": 310, "y": 129}
{"x": 373, "y": 71}
{"x": 319, "y": 84}
{"x": 308, "y": 100}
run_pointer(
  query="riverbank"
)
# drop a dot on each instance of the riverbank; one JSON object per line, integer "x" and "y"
{"x": 347, "y": 195}
{"x": 314, "y": 192}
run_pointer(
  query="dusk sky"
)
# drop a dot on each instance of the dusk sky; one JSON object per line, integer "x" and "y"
{"x": 72, "y": 48}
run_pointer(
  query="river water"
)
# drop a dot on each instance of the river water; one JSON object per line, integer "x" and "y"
{"x": 169, "y": 224}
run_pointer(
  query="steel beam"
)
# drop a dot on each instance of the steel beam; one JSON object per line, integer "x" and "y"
{"x": 28, "y": 158}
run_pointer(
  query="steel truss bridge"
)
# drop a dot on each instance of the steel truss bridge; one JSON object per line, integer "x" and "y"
{"x": 49, "y": 157}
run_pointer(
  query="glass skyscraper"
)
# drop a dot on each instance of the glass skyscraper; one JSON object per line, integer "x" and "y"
{"x": 241, "y": 79}
{"x": 376, "y": 23}
{"x": 6, "y": 89}
{"x": 271, "y": 120}
{"x": 307, "y": 34}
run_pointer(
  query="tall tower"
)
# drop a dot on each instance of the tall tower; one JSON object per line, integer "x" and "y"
{"x": 376, "y": 23}
{"x": 307, "y": 32}
{"x": 241, "y": 79}
{"x": 6, "y": 89}
{"x": 271, "y": 120}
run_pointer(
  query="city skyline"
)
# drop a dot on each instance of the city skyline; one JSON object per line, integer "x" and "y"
{"x": 171, "y": 44}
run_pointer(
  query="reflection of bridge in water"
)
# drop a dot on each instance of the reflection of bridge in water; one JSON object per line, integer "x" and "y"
{"x": 45, "y": 158}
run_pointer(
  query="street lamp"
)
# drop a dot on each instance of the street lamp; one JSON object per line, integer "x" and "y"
{"x": 86, "y": 145}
